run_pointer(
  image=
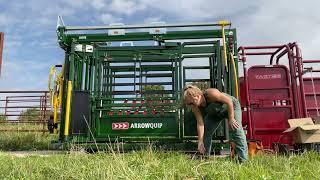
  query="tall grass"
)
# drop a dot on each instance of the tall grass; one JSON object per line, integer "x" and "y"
{"x": 144, "y": 164}
{"x": 16, "y": 139}
{"x": 147, "y": 164}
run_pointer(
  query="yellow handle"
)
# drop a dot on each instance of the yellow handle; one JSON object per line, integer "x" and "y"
{"x": 51, "y": 73}
{"x": 235, "y": 76}
{"x": 67, "y": 118}
{"x": 224, "y": 23}
{"x": 55, "y": 111}
{"x": 224, "y": 47}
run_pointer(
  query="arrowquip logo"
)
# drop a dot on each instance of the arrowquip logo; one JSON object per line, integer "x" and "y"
{"x": 146, "y": 125}
{"x": 120, "y": 126}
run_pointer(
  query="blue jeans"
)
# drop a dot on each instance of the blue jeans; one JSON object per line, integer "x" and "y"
{"x": 211, "y": 122}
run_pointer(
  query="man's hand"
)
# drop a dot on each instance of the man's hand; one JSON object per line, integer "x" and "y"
{"x": 233, "y": 124}
{"x": 201, "y": 148}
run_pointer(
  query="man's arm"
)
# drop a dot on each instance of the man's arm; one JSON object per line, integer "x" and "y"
{"x": 216, "y": 95}
{"x": 200, "y": 128}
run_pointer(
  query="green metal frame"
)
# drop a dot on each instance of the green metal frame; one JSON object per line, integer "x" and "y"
{"x": 101, "y": 70}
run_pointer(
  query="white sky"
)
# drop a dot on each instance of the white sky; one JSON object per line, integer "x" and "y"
{"x": 30, "y": 39}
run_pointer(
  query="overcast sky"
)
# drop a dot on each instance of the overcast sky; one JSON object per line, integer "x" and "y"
{"x": 31, "y": 43}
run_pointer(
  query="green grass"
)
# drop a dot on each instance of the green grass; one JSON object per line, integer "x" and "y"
{"x": 17, "y": 127}
{"x": 17, "y": 141}
{"x": 156, "y": 165}
{"x": 14, "y": 140}
{"x": 144, "y": 164}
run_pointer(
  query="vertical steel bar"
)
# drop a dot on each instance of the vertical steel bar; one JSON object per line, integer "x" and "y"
{"x": 180, "y": 80}
{"x": 67, "y": 118}
{"x": 245, "y": 75}
{"x": 302, "y": 91}
{"x": 5, "y": 108}
{"x": 293, "y": 80}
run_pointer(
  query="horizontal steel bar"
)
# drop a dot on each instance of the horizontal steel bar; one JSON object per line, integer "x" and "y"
{"x": 260, "y": 47}
{"x": 143, "y": 84}
{"x": 311, "y": 61}
{"x": 117, "y": 59}
{"x": 74, "y": 28}
{"x": 156, "y": 50}
{"x": 25, "y": 96}
{"x": 199, "y": 43}
{"x": 24, "y": 91}
{"x": 138, "y": 99}
{"x": 314, "y": 70}
{"x": 142, "y": 68}
{"x": 37, "y": 107}
{"x": 144, "y": 36}
{"x": 197, "y": 80}
{"x": 253, "y": 106}
{"x": 309, "y": 78}
{"x": 137, "y": 76}
{"x": 311, "y": 93}
{"x": 131, "y": 105}
{"x": 257, "y": 53}
{"x": 141, "y": 92}
{"x": 198, "y": 56}
{"x": 313, "y": 108}
{"x": 196, "y": 67}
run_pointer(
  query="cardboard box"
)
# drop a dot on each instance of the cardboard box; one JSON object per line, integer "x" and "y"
{"x": 316, "y": 119}
{"x": 304, "y": 130}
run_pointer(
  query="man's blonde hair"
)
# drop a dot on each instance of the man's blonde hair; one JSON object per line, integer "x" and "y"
{"x": 191, "y": 91}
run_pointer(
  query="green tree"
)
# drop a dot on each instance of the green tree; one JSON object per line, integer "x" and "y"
{"x": 153, "y": 88}
{"x": 202, "y": 85}
{"x": 3, "y": 117}
{"x": 31, "y": 114}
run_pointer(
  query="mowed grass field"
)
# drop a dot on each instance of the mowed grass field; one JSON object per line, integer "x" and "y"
{"x": 145, "y": 164}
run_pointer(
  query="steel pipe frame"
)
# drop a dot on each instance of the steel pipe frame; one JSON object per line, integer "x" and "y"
{"x": 143, "y": 26}
{"x": 24, "y": 98}
{"x": 92, "y": 38}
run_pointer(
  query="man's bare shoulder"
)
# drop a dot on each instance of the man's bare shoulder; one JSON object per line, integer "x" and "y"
{"x": 213, "y": 92}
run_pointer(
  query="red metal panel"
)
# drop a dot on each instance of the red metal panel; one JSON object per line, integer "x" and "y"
{"x": 270, "y": 103}
{"x": 243, "y": 94}
{"x": 243, "y": 103}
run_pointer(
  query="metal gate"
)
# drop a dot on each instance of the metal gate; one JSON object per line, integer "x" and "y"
{"x": 139, "y": 92}
{"x": 271, "y": 94}
{"x": 134, "y": 92}
{"x": 271, "y": 103}
{"x": 311, "y": 81}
